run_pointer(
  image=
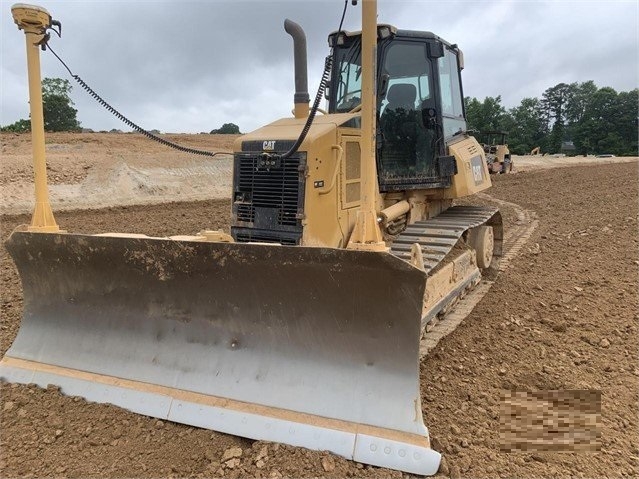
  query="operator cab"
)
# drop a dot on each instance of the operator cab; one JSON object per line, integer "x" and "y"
{"x": 419, "y": 103}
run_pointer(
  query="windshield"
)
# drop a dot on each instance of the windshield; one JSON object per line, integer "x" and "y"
{"x": 349, "y": 78}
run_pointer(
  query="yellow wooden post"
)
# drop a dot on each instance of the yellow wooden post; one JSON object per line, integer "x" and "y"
{"x": 34, "y": 21}
{"x": 367, "y": 234}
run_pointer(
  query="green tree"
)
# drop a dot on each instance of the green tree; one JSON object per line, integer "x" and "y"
{"x": 553, "y": 102}
{"x": 59, "y": 114}
{"x": 627, "y": 121}
{"x": 601, "y": 129}
{"x": 485, "y": 115}
{"x": 227, "y": 129}
{"x": 578, "y": 101}
{"x": 575, "y": 109}
{"x": 20, "y": 126}
{"x": 526, "y": 126}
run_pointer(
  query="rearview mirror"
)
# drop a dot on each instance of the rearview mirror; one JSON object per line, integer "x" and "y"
{"x": 383, "y": 85}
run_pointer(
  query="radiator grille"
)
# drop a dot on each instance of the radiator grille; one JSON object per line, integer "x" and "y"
{"x": 268, "y": 196}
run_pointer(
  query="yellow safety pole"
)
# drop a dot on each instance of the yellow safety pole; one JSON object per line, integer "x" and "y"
{"x": 367, "y": 234}
{"x": 34, "y": 21}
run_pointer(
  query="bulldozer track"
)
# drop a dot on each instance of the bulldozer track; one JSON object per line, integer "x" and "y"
{"x": 514, "y": 239}
{"x": 439, "y": 235}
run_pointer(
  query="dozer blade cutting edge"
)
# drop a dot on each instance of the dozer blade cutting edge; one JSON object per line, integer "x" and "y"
{"x": 312, "y": 347}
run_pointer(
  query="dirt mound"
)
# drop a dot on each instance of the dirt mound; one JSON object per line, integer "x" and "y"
{"x": 97, "y": 170}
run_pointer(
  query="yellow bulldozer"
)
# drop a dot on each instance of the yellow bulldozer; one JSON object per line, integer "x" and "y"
{"x": 302, "y": 325}
{"x": 497, "y": 152}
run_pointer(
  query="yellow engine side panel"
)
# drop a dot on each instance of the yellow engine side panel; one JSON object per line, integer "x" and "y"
{"x": 333, "y": 188}
{"x": 472, "y": 172}
{"x": 321, "y": 203}
{"x": 332, "y": 194}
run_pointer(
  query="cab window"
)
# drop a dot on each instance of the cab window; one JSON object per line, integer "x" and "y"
{"x": 349, "y": 78}
{"x": 450, "y": 94}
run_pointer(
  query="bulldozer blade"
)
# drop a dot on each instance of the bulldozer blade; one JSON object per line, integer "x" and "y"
{"x": 312, "y": 347}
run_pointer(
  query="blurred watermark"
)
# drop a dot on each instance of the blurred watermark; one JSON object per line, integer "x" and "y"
{"x": 563, "y": 420}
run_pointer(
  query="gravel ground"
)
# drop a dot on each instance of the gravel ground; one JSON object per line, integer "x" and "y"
{"x": 563, "y": 316}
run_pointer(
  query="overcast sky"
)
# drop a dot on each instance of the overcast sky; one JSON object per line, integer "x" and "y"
{"x": 182, "y": 66}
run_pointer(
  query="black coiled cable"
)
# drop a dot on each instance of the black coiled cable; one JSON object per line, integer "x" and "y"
{"x": 137, "y": 128}
{"x": 311, "y": 116}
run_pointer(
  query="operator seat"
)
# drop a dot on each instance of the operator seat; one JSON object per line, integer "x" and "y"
{"x": 401, "y": 95}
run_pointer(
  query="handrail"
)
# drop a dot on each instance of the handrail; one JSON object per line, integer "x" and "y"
{"x": 338, "y": 162}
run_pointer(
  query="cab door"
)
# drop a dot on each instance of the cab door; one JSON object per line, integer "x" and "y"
{"x": 406, "y": 135}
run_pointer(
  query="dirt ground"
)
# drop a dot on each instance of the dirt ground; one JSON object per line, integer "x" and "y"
{"x": 536, "y": 162}
{"x": 563, "y": 316}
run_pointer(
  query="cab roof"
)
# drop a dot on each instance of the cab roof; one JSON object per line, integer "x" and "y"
{"x": 395, "y": 32}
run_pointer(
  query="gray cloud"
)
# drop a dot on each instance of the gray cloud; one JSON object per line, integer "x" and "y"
{"x": 192, "y": 66}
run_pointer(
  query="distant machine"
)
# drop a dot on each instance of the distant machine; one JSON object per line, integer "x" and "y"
{"x": 497, "y": 153}
{"x": 568, "y": 148}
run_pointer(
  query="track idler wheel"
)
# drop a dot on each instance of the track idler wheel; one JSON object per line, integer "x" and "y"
{"x": 481, "y": 239}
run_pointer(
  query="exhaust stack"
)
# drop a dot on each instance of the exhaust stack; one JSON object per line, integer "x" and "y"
{"x": 301, "y": 98}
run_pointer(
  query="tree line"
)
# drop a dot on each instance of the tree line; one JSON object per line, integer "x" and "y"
{"x": 594, "y": 120}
